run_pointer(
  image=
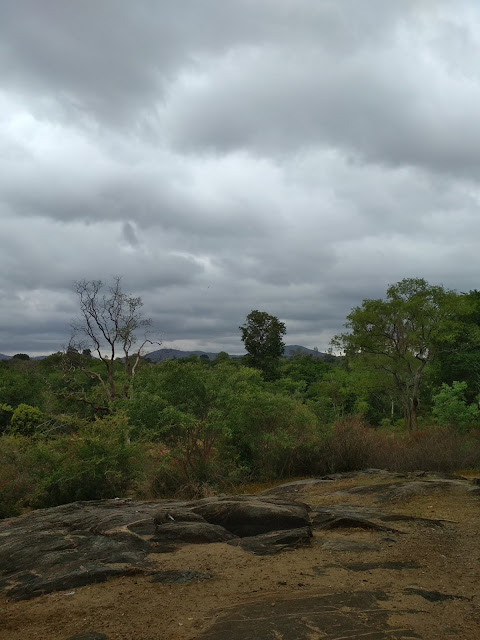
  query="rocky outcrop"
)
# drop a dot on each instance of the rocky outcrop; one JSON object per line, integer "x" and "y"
{"x": 191, "y": 533}
{"x": 269, "y": 544}
{"x": 86, "y": 542}
{"x": 252, "y": 516}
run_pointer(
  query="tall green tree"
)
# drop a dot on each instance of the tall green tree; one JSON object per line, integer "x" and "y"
{"x": 402, "y": 335}
{"x": 461, "y": 363}
{"x": 262, "y": 336}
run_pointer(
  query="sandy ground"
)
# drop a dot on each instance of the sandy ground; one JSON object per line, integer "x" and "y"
{"x": 135, "y": 608}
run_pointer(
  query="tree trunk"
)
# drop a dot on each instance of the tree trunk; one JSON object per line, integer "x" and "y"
{"x": 409, "y": 411}
{"x": 415, "y": 399}
{"x": 110, "y": 380}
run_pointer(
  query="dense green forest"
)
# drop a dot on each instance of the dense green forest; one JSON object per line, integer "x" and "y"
{"x": 94, "y": 422}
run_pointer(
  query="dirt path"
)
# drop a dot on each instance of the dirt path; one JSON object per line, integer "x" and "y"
{"x": 423, "y": 583}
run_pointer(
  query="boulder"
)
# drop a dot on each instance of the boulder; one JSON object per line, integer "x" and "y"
{"x": 269, "y": 544}
{"x": 252, "y": 516}
{"x": 326, "y": 521}
{"x": 73, "y": 545}
{"x": 191, "y": 532}
{"x": 167, "y": 515}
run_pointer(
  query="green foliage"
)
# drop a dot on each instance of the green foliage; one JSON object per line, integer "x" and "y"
{"x": 20, "y": 383}
{"x": 194, "y": 427}
{"x": 306, "y": 368}
{"x": 21, "y": 356}
{"x": 271, "y": 433}
{"x": 99, "y": 461}
{"x": 222, "y": 357}
{"x": 6, "y": 413}
{"x": 27, "y": 420}
{"x": 461, "y": 361}
{"x": 186, "y": 406}
{"x": 262, "y": 336}
{"x": 450, "y": 407}
{"x": 402, "y": 335}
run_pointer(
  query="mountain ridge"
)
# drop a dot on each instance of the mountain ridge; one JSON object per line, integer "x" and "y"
{"x": 160, "y": 355}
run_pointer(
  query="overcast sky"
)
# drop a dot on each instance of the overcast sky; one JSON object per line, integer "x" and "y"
{"x": 292, "y": 156}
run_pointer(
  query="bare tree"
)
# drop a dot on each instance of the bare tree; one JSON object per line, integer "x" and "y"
{"x": 111, "y": 323}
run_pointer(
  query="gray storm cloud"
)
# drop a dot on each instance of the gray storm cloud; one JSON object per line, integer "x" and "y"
{"x": 295, "y": 156}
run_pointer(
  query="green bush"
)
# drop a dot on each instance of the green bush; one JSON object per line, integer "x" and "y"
{"x": 26, "y": 420}
{"x": 6, "y": 413}
{"x": 273, "y": 435}
{"x": 451, "y": 410}
{"x": 97, "y": 462}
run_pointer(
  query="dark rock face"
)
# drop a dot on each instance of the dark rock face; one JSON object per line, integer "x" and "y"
{"x": 349, "y": 522}
{"x": 433, "y": 596}
{"x": 339, "y": 517}
{"x": 402, "y": 491}
{"x": 168, "y": 515}
{"x": 74, "y": 545}
{"x": 252, "y": 516}
{"x": 192, "y": 533}
{"x": 288, "y": 489}
{"x": 269, "y": 544}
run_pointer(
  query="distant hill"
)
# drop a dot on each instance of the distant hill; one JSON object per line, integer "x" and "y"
{"x": 175, "y": 354}
{"x": 171, "y": 354}
{"x": 296, "y": 350}
{"x": 4, "y": 357}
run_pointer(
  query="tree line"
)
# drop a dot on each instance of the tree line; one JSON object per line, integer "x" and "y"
{"x": 98, "y": 419}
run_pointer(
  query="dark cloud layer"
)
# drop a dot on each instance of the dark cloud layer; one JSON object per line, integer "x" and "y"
{"x": 294, "y": 156}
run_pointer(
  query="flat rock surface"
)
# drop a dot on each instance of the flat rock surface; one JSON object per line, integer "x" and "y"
{"x": 104, "y": 567}
{"x": 333, "y": 616}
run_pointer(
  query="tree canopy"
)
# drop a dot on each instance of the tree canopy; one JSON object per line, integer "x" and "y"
{"x": 262, "y": 336}
{"x": 403, "y": 334}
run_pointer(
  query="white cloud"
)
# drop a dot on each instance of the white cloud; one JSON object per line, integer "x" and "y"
{"x": 294, "y": 156}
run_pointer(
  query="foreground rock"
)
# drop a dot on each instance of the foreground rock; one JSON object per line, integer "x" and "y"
{"x": 88, "y": 542}
{"x": 347, "y": 615}
{"x": 269, "y": 544}
{"x": 246, "y": 516}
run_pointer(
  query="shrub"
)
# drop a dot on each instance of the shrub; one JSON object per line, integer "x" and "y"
{"x": 26, "y": 420}
{"x": 353, "y": 446}
{"x": 274, "y": 436}
{"x": 451, "y": 409}
{"x": 16, "y": 479}
{"x": 6, "y": 413}
{"x": 98, "y": 461}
